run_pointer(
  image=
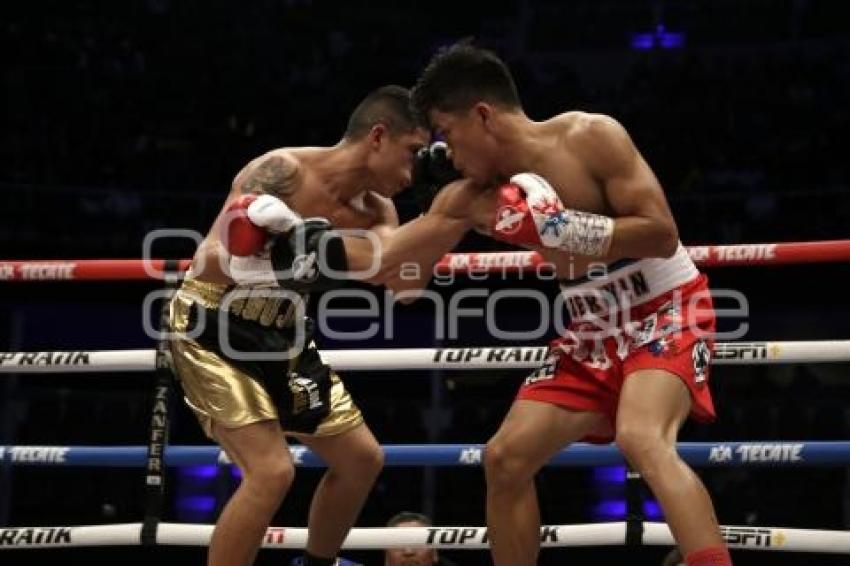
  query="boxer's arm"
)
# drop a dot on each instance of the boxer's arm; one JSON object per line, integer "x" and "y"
{"x": 364, "y": 252}
{"x": 409, "y": 255}
{"x": 643, "y": 223}
{"x": 259, "y": 208}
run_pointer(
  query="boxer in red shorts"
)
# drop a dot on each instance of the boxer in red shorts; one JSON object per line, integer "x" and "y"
{"x": 586, "y": 368}
{"x": 633, "y": 364}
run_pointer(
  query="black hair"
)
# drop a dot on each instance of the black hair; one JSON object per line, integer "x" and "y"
{"x": 407, "y": 516}
{"x": 459, "y": 76}
{"x": 388, "y": 105}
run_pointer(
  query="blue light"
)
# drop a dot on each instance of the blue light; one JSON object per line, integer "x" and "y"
{"x": 609, "y": 474}
{"x": 643, "y": 41}
{"x": 199, "y": 472}
{"x": 203, "y": 503}
{"x": 612, "y": 509}
{"x": 608, "y": 510}
{"x": 671, "y": 40}
{"x": 659, "y": 38}
{"x": 652, "y": 510}
{"x": 193, "y": 483}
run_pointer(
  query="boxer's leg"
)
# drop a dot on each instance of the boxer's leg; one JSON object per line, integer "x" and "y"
{"x": 653, "y": 405}
{"x": 354, "y": 460}
{"x": 530, "y": 435}
{"x": 261, "y": 453}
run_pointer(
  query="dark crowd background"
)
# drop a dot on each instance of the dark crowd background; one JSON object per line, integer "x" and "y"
{"x": 124, "y": 117}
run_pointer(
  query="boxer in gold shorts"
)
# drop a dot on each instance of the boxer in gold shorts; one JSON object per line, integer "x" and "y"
{"x": 269, "y": 247}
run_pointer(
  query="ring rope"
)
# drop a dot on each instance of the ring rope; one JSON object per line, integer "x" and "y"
{"x": 732, "y": 454}
{"x": 754, "y": 453}
{"x": 459, "y": 538}
{"x": 468, "y": 358}
{"x": 782, "y": 253}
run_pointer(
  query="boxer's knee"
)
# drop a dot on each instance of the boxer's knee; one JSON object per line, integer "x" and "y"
{"x": 645, "y": 448}
{"x": 367, "y": 461}
{"x": 272, "y": 480}
{"x": 363, "y": 461}
{"x": 505, "y": 467}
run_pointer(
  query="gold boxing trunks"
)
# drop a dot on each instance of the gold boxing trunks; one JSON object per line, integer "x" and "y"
{"x": 218, "y": 391}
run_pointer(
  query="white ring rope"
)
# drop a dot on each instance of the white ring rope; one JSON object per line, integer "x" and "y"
{"x": 469, "y": 538}
{"x": 470, "y": 358}
{"x": 505, "y": 357}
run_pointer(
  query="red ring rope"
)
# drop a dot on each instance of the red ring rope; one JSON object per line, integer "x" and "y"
{"x": 490, "y": 262}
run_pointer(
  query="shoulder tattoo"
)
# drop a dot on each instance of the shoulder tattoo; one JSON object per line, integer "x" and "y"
{"x": 274, "y": 175}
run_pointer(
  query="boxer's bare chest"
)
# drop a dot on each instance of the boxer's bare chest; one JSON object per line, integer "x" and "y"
{"x": 576, "y": 187}
{"x": 315, "y": 198}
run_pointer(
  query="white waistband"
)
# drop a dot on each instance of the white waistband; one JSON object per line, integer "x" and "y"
{"x": 629, "y": 285}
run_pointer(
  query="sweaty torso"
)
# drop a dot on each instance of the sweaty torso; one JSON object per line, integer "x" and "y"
{"x": 310, "y": 194}
{"x": 565, "y": 168}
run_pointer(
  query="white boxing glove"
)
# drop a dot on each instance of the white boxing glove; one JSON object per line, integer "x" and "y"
{"x": 249, "y": 219}
{"x": 271, "y": 213}
{"x": 558, "y": 227}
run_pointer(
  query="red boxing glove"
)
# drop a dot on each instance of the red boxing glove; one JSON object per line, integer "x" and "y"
{"x": 514, "y": 222}
{"x": 530, "y": 213}
{"x": 242, "y": 237}
{"x": 250, "y": 218}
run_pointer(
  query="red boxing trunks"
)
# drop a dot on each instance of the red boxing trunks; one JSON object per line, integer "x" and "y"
{"x": 648, "y": 314}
